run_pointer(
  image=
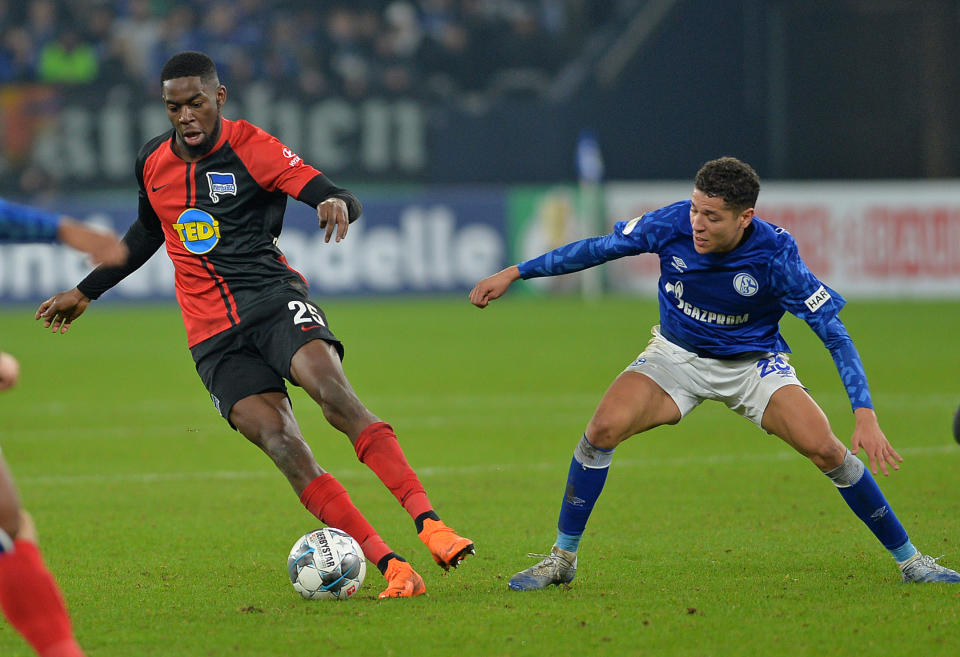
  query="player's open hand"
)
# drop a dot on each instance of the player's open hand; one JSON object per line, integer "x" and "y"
{"x": 867, "y": 434}
{"x": 59, "y": 311}
{"x": 493, "y": 287}
{"x": 333, "y": 216}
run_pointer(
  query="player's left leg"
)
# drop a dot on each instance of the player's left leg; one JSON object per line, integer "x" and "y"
{"x": 316, "y": 367}
{"x": 29, "y": 595}
{"x": 795, "y": 417}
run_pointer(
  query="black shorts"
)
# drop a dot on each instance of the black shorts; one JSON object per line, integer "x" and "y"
{"x": 254, "y": 356}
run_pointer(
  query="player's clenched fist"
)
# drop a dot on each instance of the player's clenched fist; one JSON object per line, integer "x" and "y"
{"x": 493, "y": 287}
{"x": 9, "y": 370}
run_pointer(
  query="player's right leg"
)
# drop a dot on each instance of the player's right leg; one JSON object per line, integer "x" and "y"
{"x": 634, "y": 403}
{"x": 267, "y": 421}
{"x": 29, "y": 595}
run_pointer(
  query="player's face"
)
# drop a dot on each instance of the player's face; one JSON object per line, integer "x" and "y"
{"x": 716, "y": 227}
{"x": 194, "y": 111}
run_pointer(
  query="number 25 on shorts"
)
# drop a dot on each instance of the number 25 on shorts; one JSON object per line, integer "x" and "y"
{"x": 305, "y": 313}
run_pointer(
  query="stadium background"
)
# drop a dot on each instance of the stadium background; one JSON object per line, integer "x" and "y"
{"x": 482, "y": 131}
{"x": 459, "y": 124}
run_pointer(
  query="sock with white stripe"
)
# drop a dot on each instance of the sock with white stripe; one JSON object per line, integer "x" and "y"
{"x": 861, "y": 493}
{"x": 585, "y": 480}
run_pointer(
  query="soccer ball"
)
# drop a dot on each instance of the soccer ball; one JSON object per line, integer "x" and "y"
{"x": 326, "y": 564}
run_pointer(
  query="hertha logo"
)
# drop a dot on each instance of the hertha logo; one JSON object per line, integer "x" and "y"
{"x": 221, "y": 184}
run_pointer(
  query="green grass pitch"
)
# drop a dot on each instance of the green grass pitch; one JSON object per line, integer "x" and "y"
{"x": 168, "y": 532}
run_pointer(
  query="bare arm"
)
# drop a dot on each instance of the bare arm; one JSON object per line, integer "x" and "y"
{"x": 493, "y": 287}
{"x": 102, "y": 246}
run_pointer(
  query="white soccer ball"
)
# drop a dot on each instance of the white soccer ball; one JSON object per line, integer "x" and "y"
{"x": 326, "y": 564}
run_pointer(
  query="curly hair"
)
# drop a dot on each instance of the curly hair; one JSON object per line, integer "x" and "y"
{"x": 188, "y": 64}
{"x": 730, "y": 179}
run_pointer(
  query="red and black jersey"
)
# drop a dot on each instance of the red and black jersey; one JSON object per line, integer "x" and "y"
{"x": 219, "y": 219}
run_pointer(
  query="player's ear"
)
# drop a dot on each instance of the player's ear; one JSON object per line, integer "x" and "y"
{"x": 746, "y": 217}
{"x": 221, "y": 96}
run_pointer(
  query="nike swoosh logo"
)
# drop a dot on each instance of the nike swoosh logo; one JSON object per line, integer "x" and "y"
{"x": 160, "y": 187}
{"x": 310, "y": 328}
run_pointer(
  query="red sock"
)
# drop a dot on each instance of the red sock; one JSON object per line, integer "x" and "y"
{"x": 32, "y": 602}
{"x": 325, "y": 498}
{"x": 378, "y": 448}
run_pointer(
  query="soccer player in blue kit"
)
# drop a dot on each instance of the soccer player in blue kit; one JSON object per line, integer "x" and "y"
{"x": 726, "y": 279}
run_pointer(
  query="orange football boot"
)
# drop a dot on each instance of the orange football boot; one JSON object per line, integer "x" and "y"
{"x": 402, "y": 581}
{"x": 447, "y": 548}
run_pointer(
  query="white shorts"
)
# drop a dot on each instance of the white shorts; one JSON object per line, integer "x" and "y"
{"x": 745, "y": 385}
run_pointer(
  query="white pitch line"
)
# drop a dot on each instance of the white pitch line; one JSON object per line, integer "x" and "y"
{"x": 440, "y": 471}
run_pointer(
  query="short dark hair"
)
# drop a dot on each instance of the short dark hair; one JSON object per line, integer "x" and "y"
{"x": 730, "y": 179}
{"x": 189, "y": 64}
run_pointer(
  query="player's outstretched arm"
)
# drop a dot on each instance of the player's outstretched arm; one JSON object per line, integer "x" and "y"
{"x": 867, "y": 434}
{"x": 59, "y": 311}
{"x": 493, "y": 287}
{"x": 102, "y": 246}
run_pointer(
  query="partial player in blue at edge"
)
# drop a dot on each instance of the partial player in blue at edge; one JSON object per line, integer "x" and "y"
{"x": 726, "y": 279}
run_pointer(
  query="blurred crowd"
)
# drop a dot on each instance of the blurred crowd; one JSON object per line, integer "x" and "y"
{"x": 355, "y": 48}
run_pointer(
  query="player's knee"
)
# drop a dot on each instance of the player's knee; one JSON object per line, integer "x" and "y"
{"x": 606, "y": 430}
{"x": 278, "y": 437}
{"x": 828, "y": 454}
{"x": 16, "y": 523}
{"x": 27, "y": 531}
{"x": 344, "y": 411}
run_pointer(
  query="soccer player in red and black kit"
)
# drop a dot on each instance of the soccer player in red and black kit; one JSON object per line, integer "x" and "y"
{"x": 213, "y": 191}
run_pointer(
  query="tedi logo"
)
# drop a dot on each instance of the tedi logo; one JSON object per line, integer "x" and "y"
{"x": 198, "y": 231}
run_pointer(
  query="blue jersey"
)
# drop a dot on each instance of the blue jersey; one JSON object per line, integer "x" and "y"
{"x": 722, "y": 305}
{"x": 21, "y": 223}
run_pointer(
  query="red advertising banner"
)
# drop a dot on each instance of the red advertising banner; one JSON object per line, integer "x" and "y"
{"x": 868, "y": 239}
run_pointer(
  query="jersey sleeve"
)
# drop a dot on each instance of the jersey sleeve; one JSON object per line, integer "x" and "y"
{"x": 273, "y": 165}
{"x": 143, "y": 238}
{"x": 802, "y": 294}
{"x": 320, "y": 188}
{"x": 838, "y": 341}
{"x": 627, "y": 238}
{"x": 22, "y": 223}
